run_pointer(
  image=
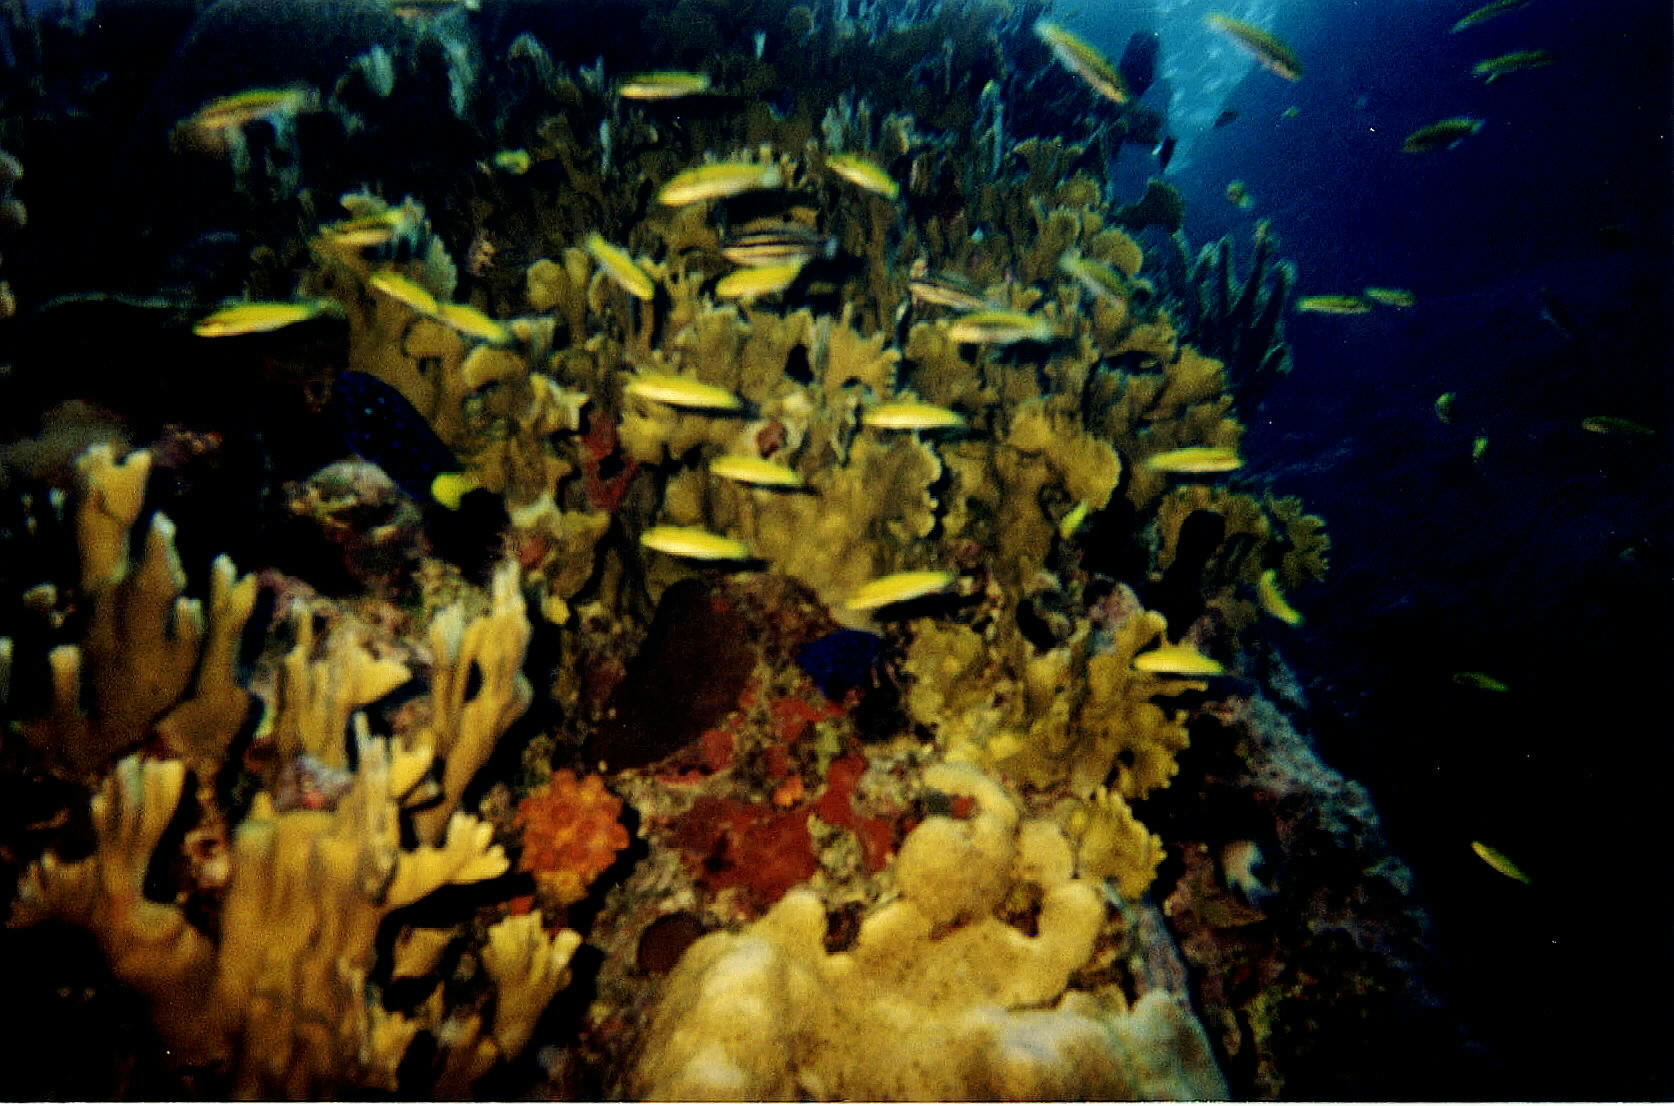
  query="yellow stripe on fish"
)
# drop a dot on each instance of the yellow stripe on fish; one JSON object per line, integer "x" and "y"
{"x": 1273, "y": 600}
{"x": 620, "y": 267}
{"x": 253, "y": 318}
{"x": 1080, "y": 58}
{"x": 1195, "y": 459}
{"x": 754, "y": 470}
{"x": 405, "y": 290}
{"x": 898, "y": 588}
{"x": 682, "y": 391}
{"x": 663, "y": 85}
{"x": 695, "y": 543}
{"x": 864, "y": 173}
{"x": 1000, "y": 327}
{"x": 714, "y": 182}
{"x": 762, "y": 280}
{"x": 1499, "y": 862}
{"x": 470, "y": 321}
{"x": 1177, "y": 660}
{"x": 911, "y": 415}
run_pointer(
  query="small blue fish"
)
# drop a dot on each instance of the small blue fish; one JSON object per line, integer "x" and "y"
{"x": 380, "y": 425}
{"x": 841, "y": 660}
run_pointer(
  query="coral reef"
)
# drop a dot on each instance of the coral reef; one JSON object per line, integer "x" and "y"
{"x": 811, "y": 652}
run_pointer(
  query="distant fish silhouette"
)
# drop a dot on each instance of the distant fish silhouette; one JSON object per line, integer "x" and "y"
{"x": 1165, "y": 153}
{"x": 1228, "y": 116}
{"x": 1139, "y": 62}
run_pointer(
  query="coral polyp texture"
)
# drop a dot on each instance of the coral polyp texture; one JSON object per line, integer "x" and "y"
{"x": 786, "y": 539}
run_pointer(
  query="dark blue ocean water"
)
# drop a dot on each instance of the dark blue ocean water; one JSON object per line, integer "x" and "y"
{"x": 1548, "y": 563}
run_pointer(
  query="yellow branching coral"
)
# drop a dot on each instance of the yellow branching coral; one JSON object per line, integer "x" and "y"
{"x": 937, "y": 998}
{"x": 281, "y": 994}
{"x": 145, "y": 641}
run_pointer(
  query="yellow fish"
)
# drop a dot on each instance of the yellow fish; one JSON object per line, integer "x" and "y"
{"x": 232, "y": 112}
{"x": 1238, "y": 195}
{"x": 474, "y": 323}
{"x": 1442, "y": 135}
{"x": 1487, "y": 12}
{"x": 1177, "y": 660}
{"x": 911, "y": 415}
{"x": 1000, "y": 327}
{"x": 863, "y": 173}
{"x": 1073, "y": 518}
{"x": 515, "y": 162}
{"x": 898, "y": 588}
{"x": 368, "y": 230}
{"x": 1479, "y": 447}
{"x": 253, "y": 318}
{"x": 1268, "y": 51}
{"x": 450, "y": 487}
{"x": 1273, "y": 600}
{"x": 947, "y": 290}
{"x": 1614, "y": 424}
{"x": 714, "y": 182}
{"x": 682, "y": 391}
{"x": 1479, "y": 680}
{"x": 1500, "y": 862}
{"x": 754, "y": 470}
{"x": 1492, "y": 69}
{"x": 620, "y": 267}
{"x": 1080, "y": 58}
{"x": 1390, "y": 297}
{"x": 763, "y": 280}
{"x": 667, "y": 84}
{"x": 405, "y": 290}
{"x": 695, "y": 543}
{"x": 1333, "y": 305}
{"x": 1195, "y": 459}
{"x": 1444, "y": 406}
{"x": 1098, "y": 278}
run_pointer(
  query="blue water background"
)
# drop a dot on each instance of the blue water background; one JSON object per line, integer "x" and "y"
{"x": 1548, "y": 563}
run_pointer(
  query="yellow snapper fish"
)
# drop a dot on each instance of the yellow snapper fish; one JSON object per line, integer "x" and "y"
{"x": 1481, "y": 681}
{"x": 1390, "y": 297}
{"x": 366, "y": 230}
{"x": 232, "y": 112}
{"x": 405, "y": 290}
{"x": 1098, "y": 278}
{"x": 1499, "y": 862}
{"x": 1333, "y": 305}
{"x": 754, "y": 470}
{"x": 1273, "y": 600}
{"x": 1492, "y": 69}
{"x": 1177, "y": 660}
{"x": 777, "y": 244}
{"x": 911, "y": 415}
{"x": 1000, "y": 327}
{"x": 254, "y": 318}
{"x": 515, "y": 162}
{"x": 1487, "y": 12}
{"x": 897, "y": 588}
{"x": 620, "y": 267}
{"x": 1076, "y": 55}
{"x": 1269, "y": 52}
{"x": 682, "y": 391}
{"x": 1441, "y": 135}
{"x": 1444, "y": 406}
{"x": 714, "y": 182}
{"x": 695, "y": 543}
{"x": 1195, "y": 459}
{"x": 1073, "y": 518}
{"x": 668, "y": 84}
{"x": 763, "y": 280}
{"x": 943, "y": 289}
{"x": 1616, "y": 425}
{"x": 474, "y": 323}
{"x": 864, "y": 173}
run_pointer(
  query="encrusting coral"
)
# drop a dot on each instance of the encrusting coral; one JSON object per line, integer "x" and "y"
{"x": 937, "y": 997}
